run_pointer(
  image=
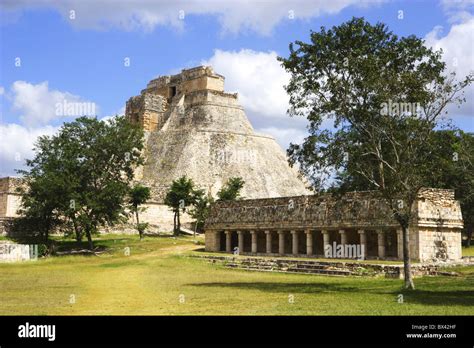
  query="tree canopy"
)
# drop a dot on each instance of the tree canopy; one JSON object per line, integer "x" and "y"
{"x": 82, "y": 174}
{"x": 179, "y": 197}
{"x": 231, "y": 190}
{"x": 138, "y": 196}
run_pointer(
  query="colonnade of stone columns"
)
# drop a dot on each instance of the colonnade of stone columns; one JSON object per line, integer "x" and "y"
{"x": 295, "y": 235}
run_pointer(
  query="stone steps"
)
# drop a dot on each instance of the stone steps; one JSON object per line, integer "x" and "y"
{"x": 287, "y": 267}
{"x": 299, "y": 270}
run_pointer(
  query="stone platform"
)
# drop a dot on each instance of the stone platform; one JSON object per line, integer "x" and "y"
{"x": 323, "y": 267}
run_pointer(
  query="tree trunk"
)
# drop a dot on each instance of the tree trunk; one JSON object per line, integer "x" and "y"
{"x": 179, "y": 225}
{"x": 76, "y": 230}
{"x": 140, "y": 232}
{"x": 406, "y": 260}
{"x": 469, "y": 235}
{"x": 174, "y": 224}
{"x": 89, "y": 238}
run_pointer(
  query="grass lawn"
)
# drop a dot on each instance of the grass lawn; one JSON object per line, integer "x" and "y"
{"x": 468, "y": 251}
{"x": 158, "y": 278}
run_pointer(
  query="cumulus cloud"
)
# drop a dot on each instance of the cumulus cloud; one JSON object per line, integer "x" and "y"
{"x": 458, "y": 10}
{"x": 233, "y": 15}
{"x": 458, "y": 53}
{"x": 285, "y": 136}
{"x": 258, "y": 78}
{"x": 38, "y": 105}
{"x": 17, "y": 144}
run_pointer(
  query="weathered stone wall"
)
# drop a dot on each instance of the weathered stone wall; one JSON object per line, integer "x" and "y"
{"x": 354, "y": 210}
{"x": 148, "y": 110}
{"x": 12, "y": 252}
{"x": 160, "y": 218}
{"x": 189, "y": 80}
{"x": 439, "y": 244}
{"x": 9, "y": 199}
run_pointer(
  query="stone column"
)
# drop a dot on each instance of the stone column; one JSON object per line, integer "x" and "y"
{"x": 254, "y": 241}
{"x": 228, "y": 241}
{"x": 268, "y": 235}
{"x": 241, "y": 241}
{"x": 381, "y": 243}
{"x": 294, "y": 243}
{"x": 363, "y": 242}
{"x": 400, "y": 244}
{"x": 309, "y": 242}
{"x": 343, "y": 237}
{"x": 325, "y": 240}
{"x": 281, "y": 242}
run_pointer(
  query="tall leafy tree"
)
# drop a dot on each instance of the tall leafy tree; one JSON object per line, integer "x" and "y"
{"x": 181, "y": 195}
{"x": 87, "y": 167}
{"x": 139, "y": 194}
{"x": 201, "y": 209}
{"x": 385, "y": 96}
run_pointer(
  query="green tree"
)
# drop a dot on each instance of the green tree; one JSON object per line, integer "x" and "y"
{"x": 201, "y": 208}
{"x": 181, "y": 195}
{"x": 231, "y": 190}
{"x": 455, "y": 170}
{"x": 84, "y": 172}
{"x": 385, "y": 96}
{"x": 139, "y": 194}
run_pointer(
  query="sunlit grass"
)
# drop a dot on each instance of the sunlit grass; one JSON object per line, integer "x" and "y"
{"x": 159, "y": 278}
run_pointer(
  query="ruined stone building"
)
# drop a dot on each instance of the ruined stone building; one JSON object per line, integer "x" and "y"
{"x": 9, "y": 200}
{"x": 194, "y": 128}
{"x": 305, "y": 225}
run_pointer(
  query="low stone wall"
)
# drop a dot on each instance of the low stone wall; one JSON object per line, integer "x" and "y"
{"x": 12, "y": 252}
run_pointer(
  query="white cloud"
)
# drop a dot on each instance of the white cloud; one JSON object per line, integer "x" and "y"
{"x": 285, "y": 136}
{"x": 258, "y": 78}
{"x": 37, "y": 104}
{"x": 458, "y": 53}
{"x": 17, "y": 144}
{"x": 233, "y": 15}
{"x": 458, "y": 10}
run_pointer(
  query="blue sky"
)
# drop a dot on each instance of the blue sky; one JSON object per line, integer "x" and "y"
{"x": 80, "y": 55}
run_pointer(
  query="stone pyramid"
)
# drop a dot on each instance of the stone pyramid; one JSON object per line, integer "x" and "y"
{"x": 194, "y": 128}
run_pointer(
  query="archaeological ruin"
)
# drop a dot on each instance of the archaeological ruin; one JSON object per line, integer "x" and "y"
{"x": 307, "y": 225}
{"x": 9, "y": 201}
{"x": 194, "y": 128}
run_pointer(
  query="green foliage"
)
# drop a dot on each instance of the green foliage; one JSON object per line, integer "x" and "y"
{"x": 231, "y": 190}
{"x": 81, "y": 175}
{"x": 139, "y": 194}
{"x": 201, "y": 209}
{"x": 454, "y": 169}
{"x": 42, "y": 250}
{"x": 181, "y": 195}
{"x": 385, "y": 96}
